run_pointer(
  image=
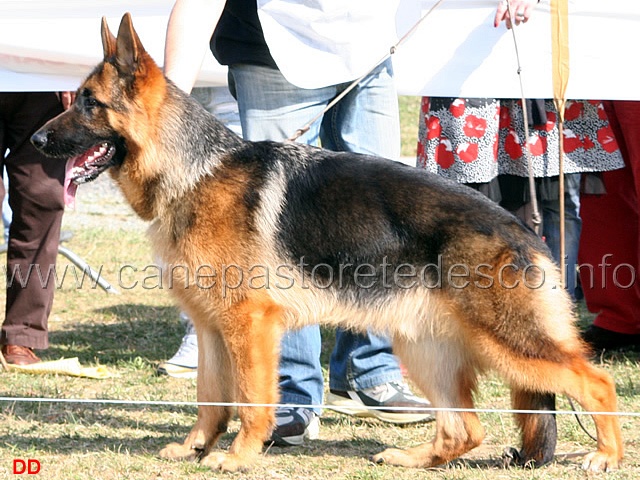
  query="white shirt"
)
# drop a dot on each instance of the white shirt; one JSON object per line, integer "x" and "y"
{"x": 317, "y": 43}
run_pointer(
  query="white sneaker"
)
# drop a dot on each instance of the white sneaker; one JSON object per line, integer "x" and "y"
{"x": 184, "y": 364}
{"x": 402, "y": 405}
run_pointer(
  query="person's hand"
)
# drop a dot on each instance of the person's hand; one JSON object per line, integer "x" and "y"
{"x": 520, "y": 9}
{"x": 67, "y": 99}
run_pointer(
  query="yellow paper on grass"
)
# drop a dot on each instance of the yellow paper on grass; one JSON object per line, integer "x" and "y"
{"x": 64, "y": 366}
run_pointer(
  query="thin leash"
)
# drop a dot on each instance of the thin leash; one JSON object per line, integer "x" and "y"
{"x": 532, "y": 186}
{"x": 535, "y": 214}
{"x": 304, "y": 129}
{"x": 579, "y": 420}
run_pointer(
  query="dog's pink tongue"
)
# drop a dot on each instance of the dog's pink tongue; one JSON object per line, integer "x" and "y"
{"x": 69, "y": 187}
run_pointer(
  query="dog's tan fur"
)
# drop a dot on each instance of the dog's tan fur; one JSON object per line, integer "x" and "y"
{"x": 223, "y": 209}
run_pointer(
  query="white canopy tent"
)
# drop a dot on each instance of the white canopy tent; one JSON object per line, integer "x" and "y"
{"x": 53, "y": 44}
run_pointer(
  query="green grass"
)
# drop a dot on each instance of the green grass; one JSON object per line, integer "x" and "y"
{"x": 409, "y": 116}
{"x": 130, "y": 333}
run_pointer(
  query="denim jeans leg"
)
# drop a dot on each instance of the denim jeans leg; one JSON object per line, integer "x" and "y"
{"x": 301, "y": 380}
{"x": 573, "y": 226}
{"x": 367, "y": 119}
{"x": 361, "y": 361}
{"x": 273, "y": 109}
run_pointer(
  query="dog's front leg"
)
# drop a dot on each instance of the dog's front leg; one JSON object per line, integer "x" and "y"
{"x": 252, "y": 333}
{"x": 216, "y": 385}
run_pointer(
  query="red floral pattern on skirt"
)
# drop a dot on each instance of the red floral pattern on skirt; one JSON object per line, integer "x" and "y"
{"x": 474, "y": 140}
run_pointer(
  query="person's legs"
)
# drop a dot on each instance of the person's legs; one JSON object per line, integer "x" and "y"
{"x": 367, "y": 119}
{"x": 609, "y": 243}
{"x": 6, "y": 209}
{"x": 573, "y": 225}
{"x": 359, "y": 362}
{"x": 301, "y": 380}
{"x": 273, "y": 109}
{"x": 184, "y": 363}
{"x": 36, "y": 200}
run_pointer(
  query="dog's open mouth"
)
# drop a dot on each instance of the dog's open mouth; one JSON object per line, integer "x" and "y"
{"x": 85, "y": 168}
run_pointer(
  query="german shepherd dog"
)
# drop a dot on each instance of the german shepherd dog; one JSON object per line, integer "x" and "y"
{"x": 293, "y": 235}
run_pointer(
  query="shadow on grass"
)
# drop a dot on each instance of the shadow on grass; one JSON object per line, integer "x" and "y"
{"x": 151, "y": 444}
{"x": 76, "y": 443}
{"x": 78, "y": 435}
{"x": 129, "y": 331}
{"x": 96, "y": 428}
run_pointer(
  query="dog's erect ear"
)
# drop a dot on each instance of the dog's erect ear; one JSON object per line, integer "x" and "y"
{"x": 108, "y": 40}
{"x": 129, "y": 48}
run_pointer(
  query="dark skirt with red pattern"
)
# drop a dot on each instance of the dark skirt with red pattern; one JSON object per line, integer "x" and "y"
{"x": 475, "y": 140}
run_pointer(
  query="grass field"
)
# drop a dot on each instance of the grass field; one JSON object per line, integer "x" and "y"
{"x": 131, "y": 332}
{"x": 409, "y": 116}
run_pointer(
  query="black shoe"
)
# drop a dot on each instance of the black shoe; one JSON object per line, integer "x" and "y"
{"x": 602, "y": 339}
{"x": 294, "y": 426}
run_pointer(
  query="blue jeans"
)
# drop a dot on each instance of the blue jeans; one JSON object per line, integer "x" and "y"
{"x": 573, "y": 226}
{"x": 219, "y": 103}
{"x": 365, "y": 121}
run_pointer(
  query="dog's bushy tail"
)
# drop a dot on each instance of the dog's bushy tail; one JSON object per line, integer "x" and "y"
{"x": 539, "y": 430}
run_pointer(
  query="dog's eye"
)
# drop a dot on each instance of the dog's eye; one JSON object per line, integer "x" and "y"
{"x": 91, "y": 102}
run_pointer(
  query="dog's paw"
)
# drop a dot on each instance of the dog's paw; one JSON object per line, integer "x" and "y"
{"x": 179, "y": 451}
{"x": 394, "y": 456}
{"x": 226, "y": 462}
{"x": 600, "y": 462}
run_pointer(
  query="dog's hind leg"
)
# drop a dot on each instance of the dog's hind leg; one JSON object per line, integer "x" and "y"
{"x": 542, "y": 352}
{"x": 252, "y": 332}
{"x": 549, "y": 357}
{"x": 594, "y": 390}
{"x": 215, "y": 385}
{"x": 447, "y": 377}
{"x": 591, "y": 387}
{"x": 539, "y": 430}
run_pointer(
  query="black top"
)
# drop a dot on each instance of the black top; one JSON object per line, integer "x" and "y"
{"x": 238, "y": 37}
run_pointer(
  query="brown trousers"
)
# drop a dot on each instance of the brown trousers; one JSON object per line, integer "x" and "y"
{"x": 36, "y": 200}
